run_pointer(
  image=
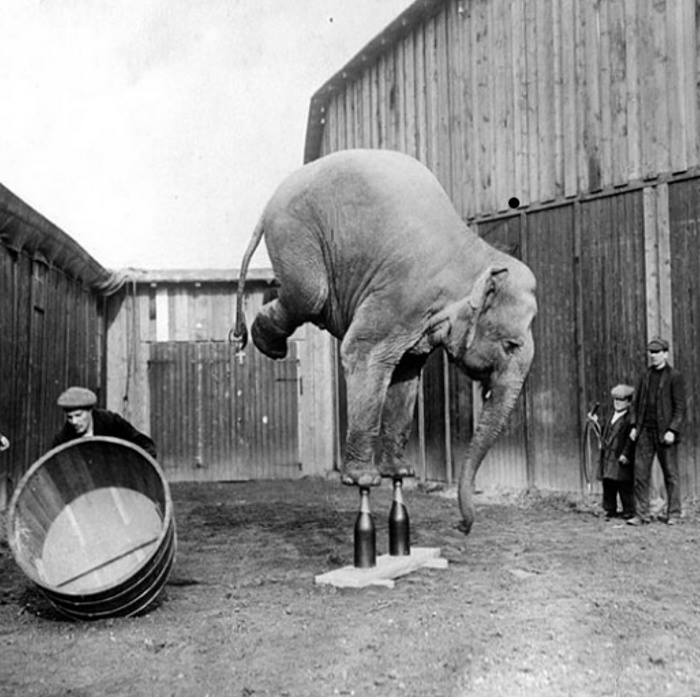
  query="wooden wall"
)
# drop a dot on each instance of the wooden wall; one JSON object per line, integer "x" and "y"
{"x": 587, "y": 112}
{"x": 215, "y": 415}
{"x": 537, "y": 99}
{"x": 51, "y": 337}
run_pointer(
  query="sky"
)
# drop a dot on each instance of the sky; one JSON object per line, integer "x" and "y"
{"x": 153, "y": 132}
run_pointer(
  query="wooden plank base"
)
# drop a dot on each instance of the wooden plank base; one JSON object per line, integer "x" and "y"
{"x": 387, "y": 569}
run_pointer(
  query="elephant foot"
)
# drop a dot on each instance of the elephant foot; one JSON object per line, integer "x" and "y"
{"x": 360, "y": 474}
{"x": 268, "y": 338}
{"x": 396, "y": 468}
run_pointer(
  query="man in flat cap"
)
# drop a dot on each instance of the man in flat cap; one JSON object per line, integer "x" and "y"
{"x": 616, "y": 466}
{"x": 84, "y": 420}
{"x": 658, "y": 412}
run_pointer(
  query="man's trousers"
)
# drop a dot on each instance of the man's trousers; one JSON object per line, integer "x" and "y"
{"x": 647, "y": 446}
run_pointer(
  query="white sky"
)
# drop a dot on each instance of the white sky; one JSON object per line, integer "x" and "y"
{"x": 154, "y": 131}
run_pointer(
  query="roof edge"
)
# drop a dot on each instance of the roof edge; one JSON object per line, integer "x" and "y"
{"x": 22, "y": 228}
{"x": 194, "y": 275}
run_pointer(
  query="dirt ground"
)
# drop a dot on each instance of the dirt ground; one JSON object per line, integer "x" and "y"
{"x": 544, "y": 597}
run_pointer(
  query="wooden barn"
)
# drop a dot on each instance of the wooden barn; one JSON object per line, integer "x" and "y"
{"x": 586, "y": 111}
{"x": 52, "y": 321}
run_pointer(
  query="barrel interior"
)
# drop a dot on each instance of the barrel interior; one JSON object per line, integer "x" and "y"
{"x": 88, "y": 516}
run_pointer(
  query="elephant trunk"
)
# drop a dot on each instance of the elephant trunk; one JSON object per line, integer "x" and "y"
{"x": 503, "y": 391}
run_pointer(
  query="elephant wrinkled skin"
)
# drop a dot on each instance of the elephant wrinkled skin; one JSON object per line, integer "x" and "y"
{"x": 366, "y": 244}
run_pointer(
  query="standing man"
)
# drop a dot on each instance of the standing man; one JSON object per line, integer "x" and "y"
{"x": 657, "y": 419}
{"x": 84, "y": 420}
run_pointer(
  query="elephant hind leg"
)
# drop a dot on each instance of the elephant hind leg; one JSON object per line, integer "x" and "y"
{"x": 271, "y": 328}
{"x": 397, "y": 418}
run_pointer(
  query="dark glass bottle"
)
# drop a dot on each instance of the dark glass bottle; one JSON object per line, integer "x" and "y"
{"x": 365, "y": 535}
{"x": 399, "y": 526}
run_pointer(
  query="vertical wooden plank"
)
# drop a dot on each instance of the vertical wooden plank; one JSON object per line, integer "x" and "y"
{"x": 521, "y": 185}
{"x": 605, "y": 80}
{"x": 568, "y": 97}
{"x": 358, "y": 117}
{"x": 592, "y": 133}
{"x": 329, "y": 131}
{"x": 390, "y": 100}
{"x": 581, "y": 90}
{"x": 691, "y": 53}
{"x": 373, "y": 105}
{"x": 659, "y": 81}
{"x": 162, "y": 315}
{"x": 181, "y": 321}
{"x": 501, "y": 103}
{"x": 335, "y": 116}
{"x": 327, "y": 126}
{"x": 558, "y": 100}
{"x": 618, "y": 92}
{"x": 483, "y": 114}
{"x": 399, "y": 98}
{"x": 337, "y": 131}
{"x": 366, "y": 89}
{"x": 677, "y": 65}
{"x": 654, "y": 113}
{"x": 455, "y": 108}
{"x": 421, "y": 95}
{"x": 431, "y": 117}
{"x": 664, "y": 263}
{"x": 410, "y": 95}
{"x": 468, "y": 147}
{"x": 545, "y": 99}
{"x": 533, "y": 149}
{"x": 633, "y": 106}
{"x": 651, "y": 263}
{"x": 349, "y": 116}
{"x": 443, "y": 162}
{"x": 382, "y": 91}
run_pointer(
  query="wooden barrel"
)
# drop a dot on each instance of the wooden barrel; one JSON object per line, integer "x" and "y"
{"x": 91, "y": 524}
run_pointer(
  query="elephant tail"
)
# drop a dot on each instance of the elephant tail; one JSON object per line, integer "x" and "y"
{"x": 238, "y": 335}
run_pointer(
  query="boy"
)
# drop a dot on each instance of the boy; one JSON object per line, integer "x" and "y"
{"x": 616, "y": 466}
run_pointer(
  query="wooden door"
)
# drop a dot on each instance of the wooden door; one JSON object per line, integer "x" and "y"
{"x": 219, "y": 416}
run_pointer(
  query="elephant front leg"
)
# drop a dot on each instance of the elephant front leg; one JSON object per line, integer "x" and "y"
{"x": 367, "y": 381}
{"x": 397, "y": 418}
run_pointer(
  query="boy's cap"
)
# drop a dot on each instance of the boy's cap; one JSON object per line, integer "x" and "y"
{"x": 657, "y": 344}
{"x": 77, "y": 397}
{"x": 622, "y": 391}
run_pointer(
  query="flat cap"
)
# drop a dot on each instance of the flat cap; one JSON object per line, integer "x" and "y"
{"x": 77, "y": 397}
{"x": 657, "y": 344}
{"x": 622, "y": 391}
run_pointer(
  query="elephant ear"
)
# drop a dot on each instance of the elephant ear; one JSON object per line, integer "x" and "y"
{"x": 458, "y": 320}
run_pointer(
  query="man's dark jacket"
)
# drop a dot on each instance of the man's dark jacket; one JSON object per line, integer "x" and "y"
{"x": 109, "y": 424}
{"x": 670, "y": 401}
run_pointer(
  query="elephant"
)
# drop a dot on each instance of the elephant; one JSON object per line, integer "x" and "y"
{"x": 366, "y": 244}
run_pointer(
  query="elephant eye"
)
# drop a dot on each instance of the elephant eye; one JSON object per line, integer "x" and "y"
{"x": 510, "y": 345}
